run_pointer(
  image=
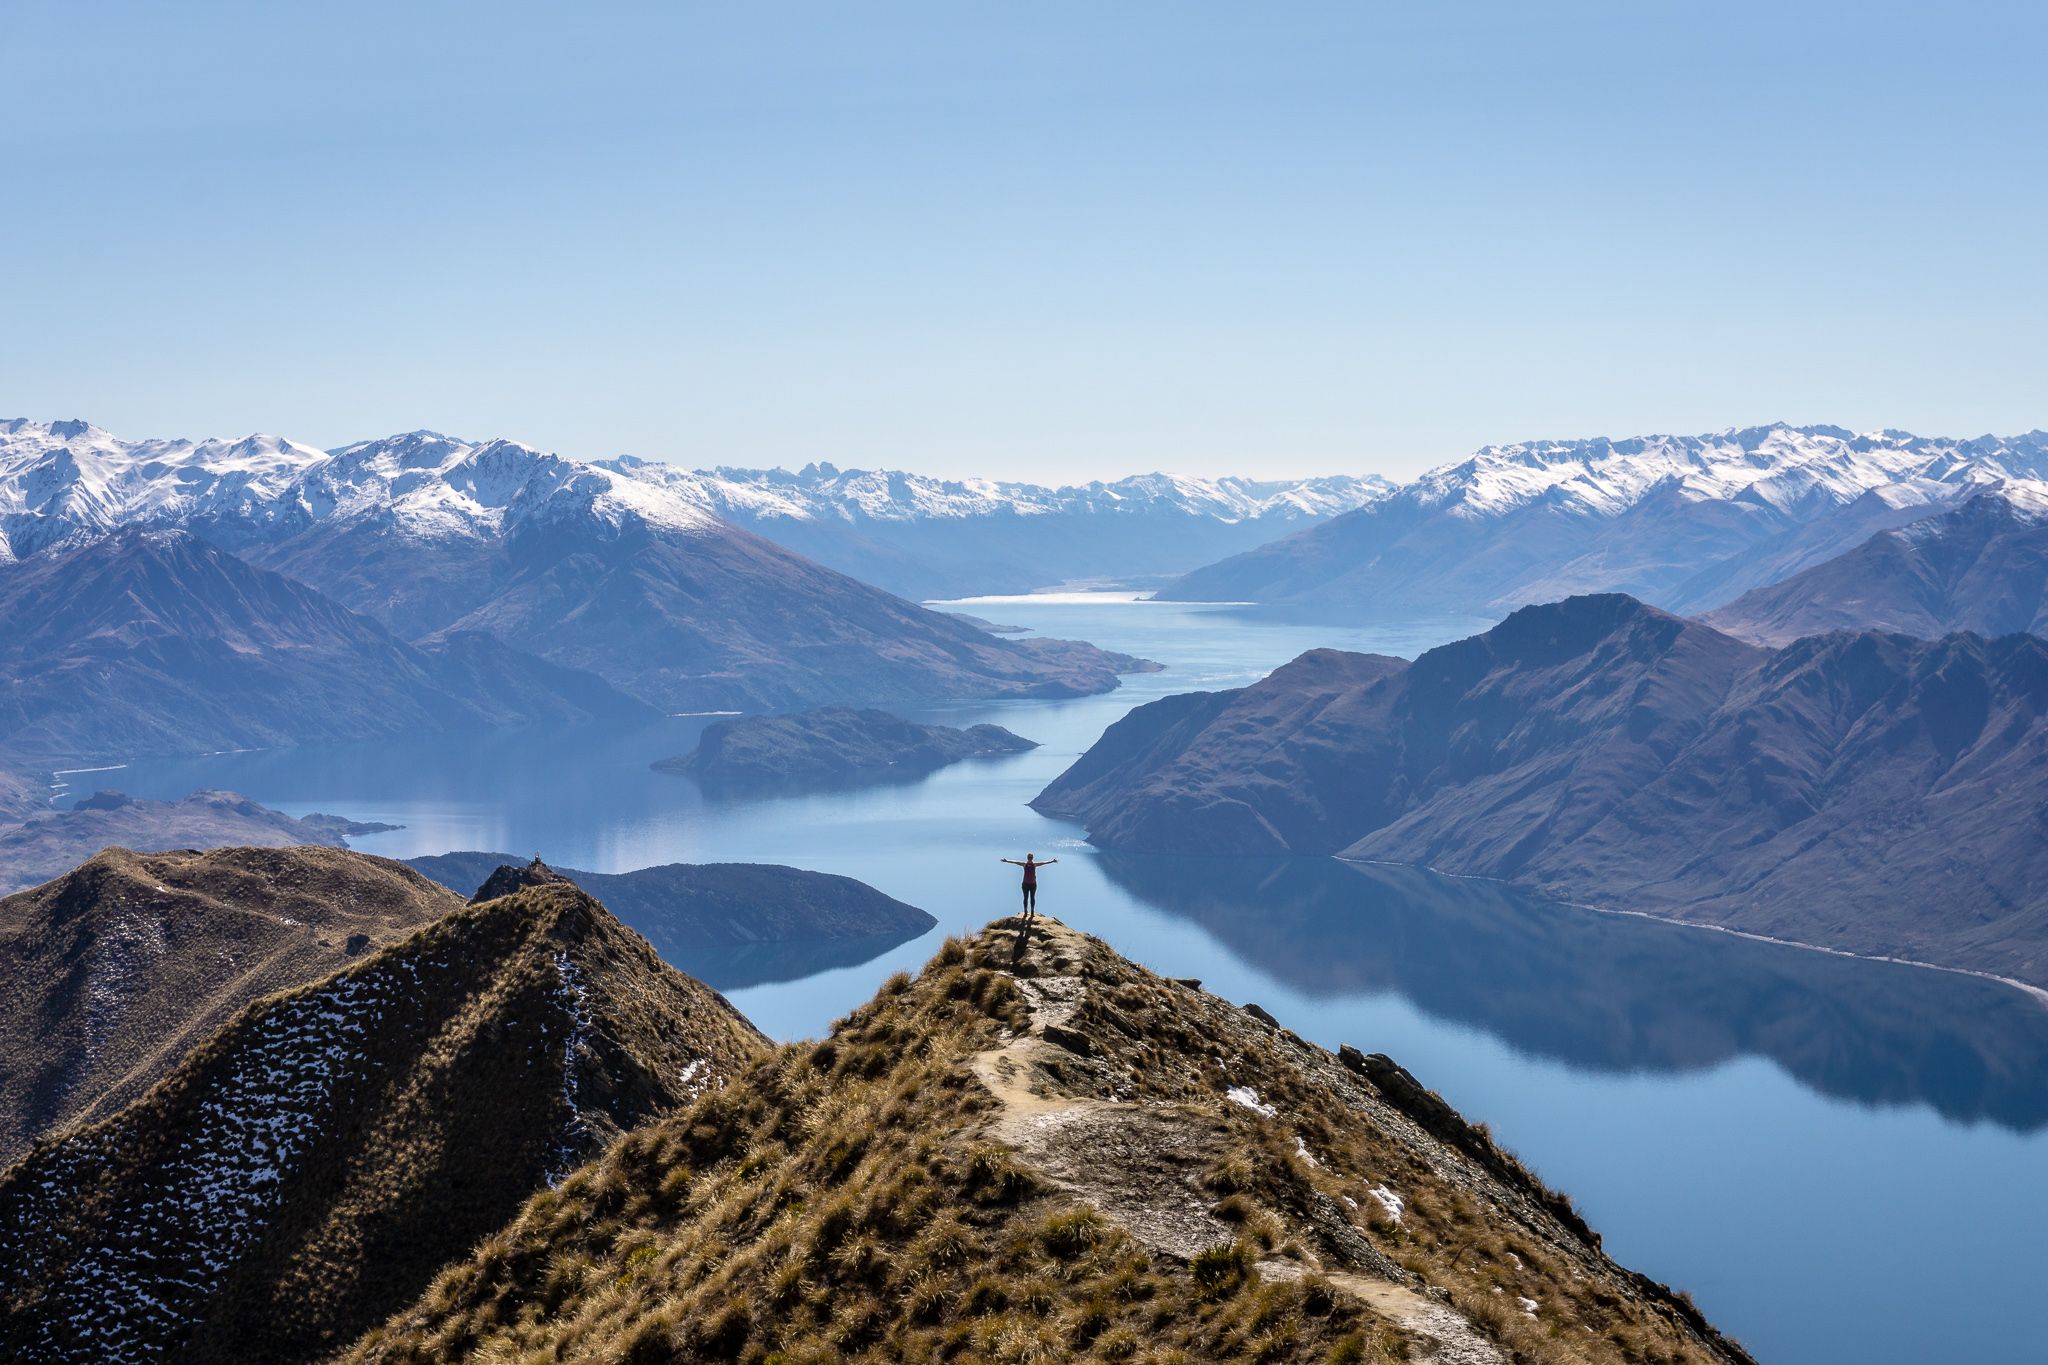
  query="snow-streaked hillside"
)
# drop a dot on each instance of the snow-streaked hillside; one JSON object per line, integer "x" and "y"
{"x": 819, "y": 491}
{"x": 1788, "y": 469}
{"x": 1686, "y": 522}
{"x": 59, "y": 478}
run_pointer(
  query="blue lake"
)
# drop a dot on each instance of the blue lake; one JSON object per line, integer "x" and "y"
{"x": 1841, "y": 1160}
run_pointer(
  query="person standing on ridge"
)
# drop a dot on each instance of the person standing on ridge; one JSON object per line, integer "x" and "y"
{"x": 1031, "y": 864}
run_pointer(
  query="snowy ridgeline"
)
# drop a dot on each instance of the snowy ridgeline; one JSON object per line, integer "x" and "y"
{"x": 60, "y": 479}
{"x": 1786, "y": 469}
{"x": 142, "y": 1275}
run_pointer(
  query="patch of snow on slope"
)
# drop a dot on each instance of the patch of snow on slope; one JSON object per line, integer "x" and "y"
{"x": 218, "y": 1189}
{"x": 1249, "y": 1098}
{"x": 574, "y": 998}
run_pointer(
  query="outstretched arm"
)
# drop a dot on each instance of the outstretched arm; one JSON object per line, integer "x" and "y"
{"x": 1011, "y": 861}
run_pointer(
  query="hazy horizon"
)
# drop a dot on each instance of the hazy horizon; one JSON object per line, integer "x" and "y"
{"x": 1049, "y": 244}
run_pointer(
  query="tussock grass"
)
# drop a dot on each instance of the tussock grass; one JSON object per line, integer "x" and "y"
{"x": 848, "y": 1201}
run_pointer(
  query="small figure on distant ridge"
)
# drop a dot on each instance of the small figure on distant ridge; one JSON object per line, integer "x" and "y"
{"x": 1031, "y": 864}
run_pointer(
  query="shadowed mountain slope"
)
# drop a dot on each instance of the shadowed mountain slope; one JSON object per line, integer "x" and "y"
{"x": 1867, "y": 792}
{"x": 1981, "y": 568}
{"x": 21, "y": 796}
{"x": 148, "y": 642}
{"x": 1044, "y": 1152}
{"x": 724, "y": 620}
{"x": 116, "y": 970}
{"x": 306, "y": 1171}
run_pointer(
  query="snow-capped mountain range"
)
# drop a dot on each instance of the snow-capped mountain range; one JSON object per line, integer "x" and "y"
{"x": 1791, "y": 470}
{"x": 1686, "y": 522}
{"x": 61, "y": 479}
{"x": 824, "y": 491}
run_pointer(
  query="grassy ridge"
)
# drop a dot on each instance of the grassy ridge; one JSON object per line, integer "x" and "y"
{"x": 1049, "y": 1156}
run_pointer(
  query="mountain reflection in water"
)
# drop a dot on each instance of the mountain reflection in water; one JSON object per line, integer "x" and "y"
{"x": 1611, "y": 992}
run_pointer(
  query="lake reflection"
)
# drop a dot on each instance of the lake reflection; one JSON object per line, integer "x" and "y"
{"x": 1614, "y": 992}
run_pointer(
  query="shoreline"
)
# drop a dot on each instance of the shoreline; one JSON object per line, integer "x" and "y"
{"x": 2037, "y": 993}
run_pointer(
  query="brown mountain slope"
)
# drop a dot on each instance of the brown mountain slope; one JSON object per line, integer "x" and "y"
{"x": 1049, "y": 1156}
{"x": 1867, "y": 792}
{"x": 306, "y": 1171}
{"x": 117, "y": 969}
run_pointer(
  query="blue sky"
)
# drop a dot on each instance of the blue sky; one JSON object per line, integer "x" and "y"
{"x": 1041, "y": 240}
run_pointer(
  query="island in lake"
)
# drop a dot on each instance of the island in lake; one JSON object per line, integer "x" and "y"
{"x": 833, "y": 743}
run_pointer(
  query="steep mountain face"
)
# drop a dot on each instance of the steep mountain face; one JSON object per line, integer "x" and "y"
{"x": 923, "y": 537}
{"x": 305, "y": 1172}
{"x": 703, "y": 917}
{"x": 63, "y": 480}
{"x": 1039, "y": 1151}
{"x": 834, "y": 742}
{"x": 1867, "y": 792}
{"x": 1686, "y": 522}
{"x": 732, "y": 622}
{"x": 158, "y": 642}
{"x": 120, "y": 967}
{"x": 47, "y": 842}
{"x": 1981, "y": 568}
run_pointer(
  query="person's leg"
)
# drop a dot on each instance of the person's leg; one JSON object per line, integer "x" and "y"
{"x": 1030, "y": 900}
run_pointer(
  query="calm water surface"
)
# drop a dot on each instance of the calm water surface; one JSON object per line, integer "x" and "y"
{"x": 1843, "y": 1161}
